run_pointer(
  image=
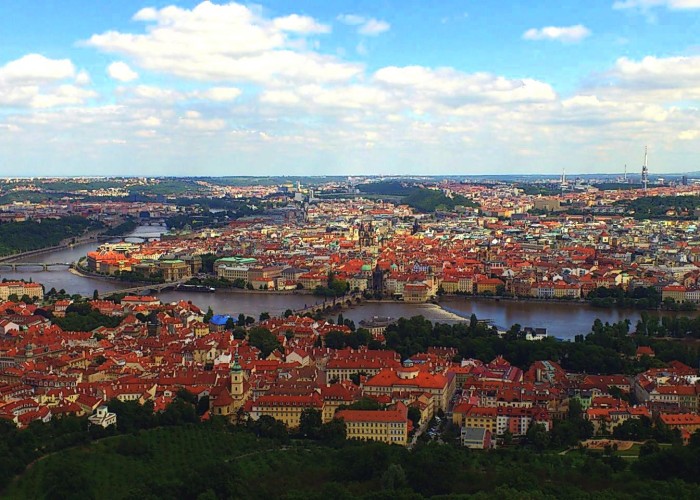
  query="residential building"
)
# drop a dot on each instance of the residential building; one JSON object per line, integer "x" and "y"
{"x": 388, "y": 426}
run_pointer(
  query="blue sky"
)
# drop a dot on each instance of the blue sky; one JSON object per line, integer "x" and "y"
{"x": 363, "y": 87}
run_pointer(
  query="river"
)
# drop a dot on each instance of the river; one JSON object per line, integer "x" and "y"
{"x": 562, "y": 320}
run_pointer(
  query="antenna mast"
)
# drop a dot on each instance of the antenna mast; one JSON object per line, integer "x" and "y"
{"x": 645, "y": 169}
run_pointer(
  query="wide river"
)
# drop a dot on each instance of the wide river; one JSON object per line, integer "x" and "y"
{"x": 562, "y": 320}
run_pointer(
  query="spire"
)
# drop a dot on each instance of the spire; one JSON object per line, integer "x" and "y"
{"x": 236, "y": 367}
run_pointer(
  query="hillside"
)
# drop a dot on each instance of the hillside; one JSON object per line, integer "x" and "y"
{"x": 215, "y": 461}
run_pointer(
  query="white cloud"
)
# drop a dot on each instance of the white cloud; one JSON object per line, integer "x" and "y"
{"x": 121, "y": 72}
{"x": 566, "y": 34}
{"x": 229, "y": 42}
{"x": 366, "y": 26}
{"x": 63, "y": 95}
{"x": 300, "y": 24}
{"x": 150, "y": 121}
{"x": 36, "y": 68}
{"x": 146, "y": 14}
{"x": 193, "y": 120}
{"x": 374, "y": 27}
{"x": 152, "y": 93}
{"x": 279, "y": 97}
{"x": 451, "y": 86}
{"x": 658, "y": 78}
{"x": 83, "y": 78}
{"x": 644, "y": 5}
{"x": 219, "y": 94}
{"x": 161, "y": 96}
{"x": 351, "y": 19}
{"x": 689, "y": 135}
{"x": 35, "y": 81}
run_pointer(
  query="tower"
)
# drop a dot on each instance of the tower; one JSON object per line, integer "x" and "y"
{"x": 378, "y": 280}
{"x": 645, "y": 170}
{"x": 366, "y": 235}
{"x": 236, "y": 378}
{"x": 625, "y": 175}
{"x": 416, "y": 226}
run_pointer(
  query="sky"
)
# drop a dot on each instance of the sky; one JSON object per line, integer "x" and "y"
{"x": 459, "y": 87}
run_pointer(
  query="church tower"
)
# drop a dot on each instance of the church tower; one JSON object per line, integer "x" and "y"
{"x": 367, "y": 236}
{"x": 236, "y": 379}
{"x": 378, "y": 280}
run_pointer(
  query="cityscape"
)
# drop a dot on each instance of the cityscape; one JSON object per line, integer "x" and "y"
{"x": 382, "y": 250}
{"x": 346, "y": 308}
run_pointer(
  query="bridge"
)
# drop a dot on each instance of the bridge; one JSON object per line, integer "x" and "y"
{"x": 329, "y": 305}
{"x": 149, "y": 221}
{"x": 124, "y": 237}
{"x": 45, "y": 266}
{"x": 154, "y": 288}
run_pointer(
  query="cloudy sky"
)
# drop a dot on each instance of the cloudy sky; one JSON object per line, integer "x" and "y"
{"x": 310, "y": 87}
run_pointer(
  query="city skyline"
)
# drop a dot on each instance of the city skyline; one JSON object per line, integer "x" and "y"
{"x": 216, "y": 88}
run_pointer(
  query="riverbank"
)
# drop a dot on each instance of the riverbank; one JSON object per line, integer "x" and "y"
{"x": 65, "y": 244}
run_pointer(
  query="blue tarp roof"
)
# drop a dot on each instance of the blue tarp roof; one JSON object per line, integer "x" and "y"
{"x": 219, "y": 319}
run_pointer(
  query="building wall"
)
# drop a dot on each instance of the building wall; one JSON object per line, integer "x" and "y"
{"x": 386, "y": 432}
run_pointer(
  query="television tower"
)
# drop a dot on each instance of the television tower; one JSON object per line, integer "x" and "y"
{"x": 625, "y": 176}
{"x": 645, "y": 170}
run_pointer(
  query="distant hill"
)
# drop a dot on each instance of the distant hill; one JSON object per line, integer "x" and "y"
{"x": 422, "y": 199}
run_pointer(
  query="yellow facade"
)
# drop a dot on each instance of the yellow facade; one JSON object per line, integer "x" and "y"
{"x": 450, "y": 286}
{"x": 386, "y": 432}
{"x": 481, "y": 422}
{"x": 20, "y": 288}
{"x": 286, "y": 409}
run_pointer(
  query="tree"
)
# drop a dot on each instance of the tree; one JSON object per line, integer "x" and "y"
{"x": 634, "y": 429}
{"x": 264, "y": 316}
{"x": 203, "y": 405}
{"x": 365, "y": 403}
{"x": 288, "y": 313}
{"x": 209, "y": 315}
{"x": 537, "y": 437}
{"x": 230, "y": 323}
{"x": 333, "y": 432}
{"x": 507, "y": 438}
{"x": 310, "y": 423}
{"x": 264, "y": 340}
{"x": 515, "y": 332}
{"x": 241, "y": 319}
{"x": 267, "y": 426}
{"x": 394, "y": 478}
{"x": 694, "y": 442}
{"x": 334, "y": 340}
{"x": 649, "y": 447}
{"x": 414, "y": 416}
{"x": 95, "y": 294}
